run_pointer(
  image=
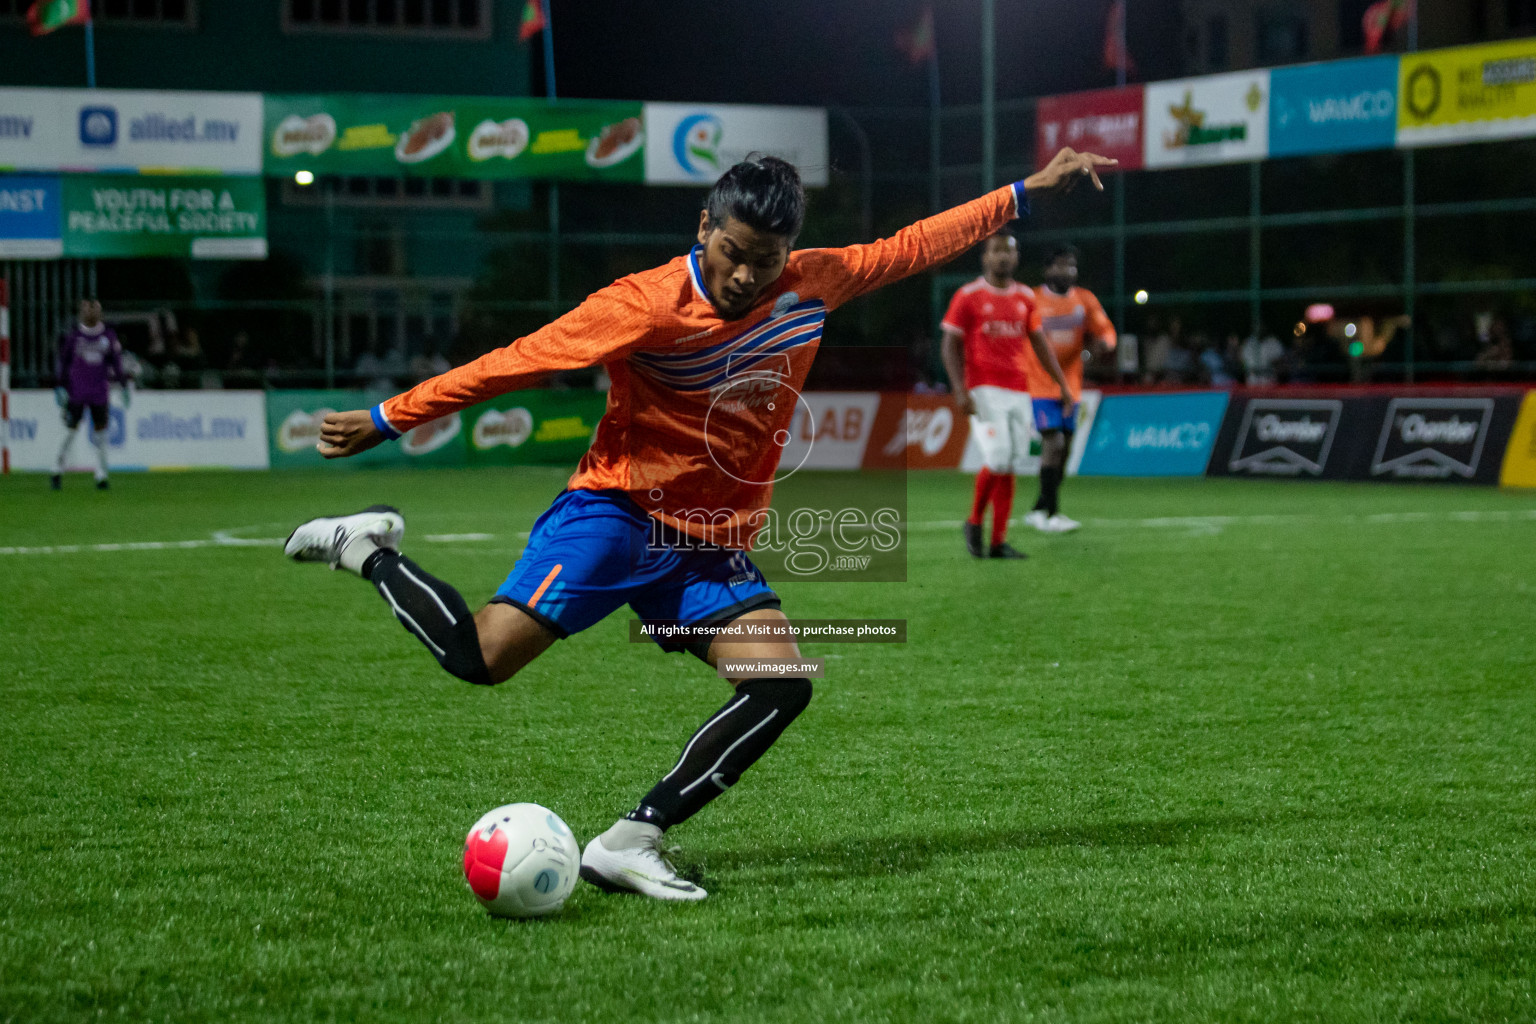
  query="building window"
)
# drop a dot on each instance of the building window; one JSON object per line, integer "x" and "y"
{"x": 164, "y": 13}
{"x": 1282, "y": 38}
{"x": 360, "y": 190}
{"x": 1216, "y": 49}
{"x": 465, "y": 18}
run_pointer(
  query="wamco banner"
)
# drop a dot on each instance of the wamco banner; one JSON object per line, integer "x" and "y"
{"x": 130, "y": 130}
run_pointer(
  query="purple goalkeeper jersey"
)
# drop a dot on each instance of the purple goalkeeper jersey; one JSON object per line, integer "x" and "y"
{"x": 89, "y": 359}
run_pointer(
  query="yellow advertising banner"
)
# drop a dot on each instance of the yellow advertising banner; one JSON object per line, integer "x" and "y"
{"x": 1520, "y": 456}
{"x": 1467, "y": 94}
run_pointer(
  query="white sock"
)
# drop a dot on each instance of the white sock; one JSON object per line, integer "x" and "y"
{"x": 627, "y": 835}
{"x": 99, "y": 439}
{"x": 69, "y": 442}
{"x": 356, "y": 553}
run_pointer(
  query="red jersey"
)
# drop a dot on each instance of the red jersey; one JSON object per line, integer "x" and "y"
{"x": 701, "y": 406}
{"x": 1066, "y": 320}
{"x": 995, "y": 325}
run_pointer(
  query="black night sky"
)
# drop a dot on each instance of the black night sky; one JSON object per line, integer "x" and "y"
{"x": 840, "y": 52}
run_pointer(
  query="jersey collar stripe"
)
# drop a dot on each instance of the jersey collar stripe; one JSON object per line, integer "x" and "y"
{"x": 696, "y": 274}
{"x": 722, "y": 360}
{"x": 732, "y": 364}
{"x": 703, "y": 355}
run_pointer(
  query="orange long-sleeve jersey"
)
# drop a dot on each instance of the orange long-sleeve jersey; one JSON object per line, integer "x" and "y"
{"x": 701, "y": 406}
{"x": 1066, "y": 320}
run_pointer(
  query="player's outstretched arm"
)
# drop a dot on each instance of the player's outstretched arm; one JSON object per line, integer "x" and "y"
{"x": 859, "y": 269}
{"x": 608, "y": 325}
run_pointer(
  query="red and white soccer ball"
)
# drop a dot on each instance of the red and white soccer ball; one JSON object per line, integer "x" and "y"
{"x": 521, "y": 860}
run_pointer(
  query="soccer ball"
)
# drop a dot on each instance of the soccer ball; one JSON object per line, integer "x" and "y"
{"x": 521, "y": 861}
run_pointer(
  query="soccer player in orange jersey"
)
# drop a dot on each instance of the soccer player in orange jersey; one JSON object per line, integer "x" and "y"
{"x": 707, "y": 355}
{"x": 984, "y": 341}
{"x": 1066, "y": 315}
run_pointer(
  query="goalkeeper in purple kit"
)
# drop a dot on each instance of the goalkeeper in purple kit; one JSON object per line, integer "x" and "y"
{"x": 90, "y": 359}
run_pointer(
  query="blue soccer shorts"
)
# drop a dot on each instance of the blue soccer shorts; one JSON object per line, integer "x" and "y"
{"x": 1048, "y": 416}
{"x": 592, "y": 551}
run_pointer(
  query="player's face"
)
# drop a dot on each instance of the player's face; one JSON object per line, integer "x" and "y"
{"x": 739, "y": 263}
{"x": 1061, "y": 275}
{"x": 90, "y": 313}
{"x": 1000, "y": 258}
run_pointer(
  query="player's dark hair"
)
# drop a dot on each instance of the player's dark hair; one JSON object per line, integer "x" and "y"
{"x": 764, "y": 193}
{"x": 1004, "y": 233}
{"x": 1061, "y": 251}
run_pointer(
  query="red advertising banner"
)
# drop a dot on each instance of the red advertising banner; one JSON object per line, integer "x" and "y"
{"x": 917, "y": 432}
{"x": 1106, "y": 122}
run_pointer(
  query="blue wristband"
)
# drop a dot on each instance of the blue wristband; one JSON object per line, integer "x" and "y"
{"x": 377, "y": 413}
{"x": 1021, "y": 199}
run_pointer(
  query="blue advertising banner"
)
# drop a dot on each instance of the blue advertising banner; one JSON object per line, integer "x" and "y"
{"x": 1154, "y": 435}
{"x": 31, "y": 219}
{"x": 1338, "y": 107}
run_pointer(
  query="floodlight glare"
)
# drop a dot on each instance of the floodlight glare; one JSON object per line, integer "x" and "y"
{"x": 304, "y": 178}
{"x": 1142, "y": 298}
{"x": 1350, "y": 330}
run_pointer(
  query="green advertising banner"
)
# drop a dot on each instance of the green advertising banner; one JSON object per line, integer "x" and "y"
{"x": 132, "y": 215}
{"x": 546, "y": 428}
{"x": 550, "y": 428}
{"x": 454, "y": 136}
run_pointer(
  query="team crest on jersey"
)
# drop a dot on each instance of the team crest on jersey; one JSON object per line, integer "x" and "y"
{"x": 784, "y": 303}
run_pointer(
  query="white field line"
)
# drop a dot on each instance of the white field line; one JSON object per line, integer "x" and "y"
{"x": 227, "y": 539}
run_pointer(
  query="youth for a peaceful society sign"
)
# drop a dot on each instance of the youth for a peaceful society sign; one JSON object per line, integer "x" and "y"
{"x": 204, "y": 218}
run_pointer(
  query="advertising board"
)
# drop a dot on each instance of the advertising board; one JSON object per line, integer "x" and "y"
{"x": 1217, "y": 119}
{"x": 160, "y": 430}
{"x": 1468, "y": 94}
{"x": 1107, "y": 122}
{"x": 1154, "y": 435}
{"x": 694, "y": 143}
{"x": 1337, "y": 107}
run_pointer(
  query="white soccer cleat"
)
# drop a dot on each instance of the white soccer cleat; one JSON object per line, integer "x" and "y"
{"x": 641, "y": 868}
{"x": 1039, "y": 520}
{"x": 1059, "y": 523}
{"x": 329, "y": 539}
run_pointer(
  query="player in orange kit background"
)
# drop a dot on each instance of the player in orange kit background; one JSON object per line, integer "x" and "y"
{"x": 1067, "y": 315}
{"x": 707, "y": 355}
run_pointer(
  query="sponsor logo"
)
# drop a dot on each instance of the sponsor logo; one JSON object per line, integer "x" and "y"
{"x": 295, "y": 135}
{"x": 164, "y": 426}
{"x": 1424, "y": 92}
{"x": 1171, "y": 437}
{"x": 1512, "y": 71}
{"x": 506, "y": 139}
{"x": 696, "y": 144}
{"x": 926, "y": 429}
{"x": 98, "y": 126}
{"x": 512, "y": 428}
{"x": 13, "y": 126}
{"x": 1286, "y": 437}
{"x": 1110, "y": 131}
{"x": 1433, "y": 438}
{"x": 300, "y": 430}
{"x": 1192, "y": 131}
{"x": 429, "y": 437}
{"x": 23, "y": 200}
{"x": 1361, "y": 108}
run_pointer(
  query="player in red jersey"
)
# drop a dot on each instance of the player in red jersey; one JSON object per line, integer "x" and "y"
{"x": 1067, "y": 315}
{"x": 984, "y": 342}
{"x": 707, "y": 355}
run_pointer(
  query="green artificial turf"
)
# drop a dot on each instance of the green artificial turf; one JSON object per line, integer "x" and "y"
{"x": 1236, "y": 751}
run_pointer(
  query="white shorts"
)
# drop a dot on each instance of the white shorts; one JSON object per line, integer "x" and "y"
{"x": 1003, "y": 427}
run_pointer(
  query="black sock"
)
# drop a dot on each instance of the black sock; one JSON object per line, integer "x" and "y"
{"x": 430, "y": 610}
{"x": 724, "y": 747}
{"x": 1050, "y": 490}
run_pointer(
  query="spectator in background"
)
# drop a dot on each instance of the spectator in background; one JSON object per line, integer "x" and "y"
{"x": 1213, "y": 363}
{"x": 1180, "y": 366}
{"x": 1154, "y": 358}
{"x": 1498, "y": 351}
{"x": 1262, "y": 359}
{"x": 378, "y": 370}
{"x": 427, "y": 363}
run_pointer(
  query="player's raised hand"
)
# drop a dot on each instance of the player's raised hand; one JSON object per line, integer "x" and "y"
{"x": 1066, "y": 169}
{"x": 347, "y": 433}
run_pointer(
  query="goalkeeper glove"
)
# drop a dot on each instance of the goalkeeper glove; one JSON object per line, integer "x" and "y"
{"x": 61, "y": 396}
{"x": 127, "y": 395}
